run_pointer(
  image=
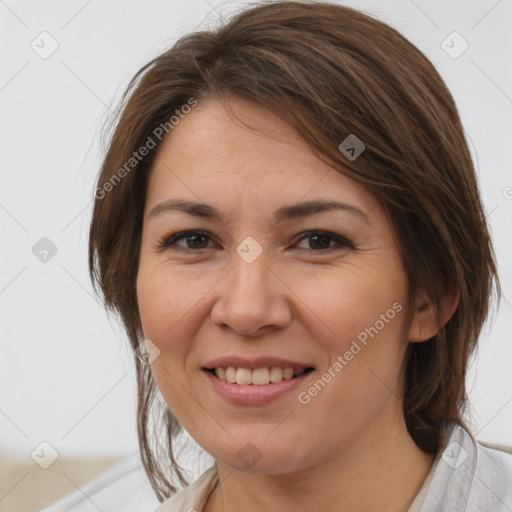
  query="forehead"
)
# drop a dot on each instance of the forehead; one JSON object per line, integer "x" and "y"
{"x": 212, "y": 156}
{"x": 239, "y": 138}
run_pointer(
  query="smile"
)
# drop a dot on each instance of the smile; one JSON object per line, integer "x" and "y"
{"x": 257, "y": 376}
{"x": 253, "y": 387}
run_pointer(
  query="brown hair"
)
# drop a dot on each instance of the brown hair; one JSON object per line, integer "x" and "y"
{"x": 328, "y": 71}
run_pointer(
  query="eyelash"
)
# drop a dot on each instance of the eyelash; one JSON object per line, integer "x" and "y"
{"x": 168, "y": 243}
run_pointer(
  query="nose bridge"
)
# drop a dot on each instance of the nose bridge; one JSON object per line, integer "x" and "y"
{"x": 250, "y": 297}
{"x": 249, "y": 264}
{"x": 249, "y": 280}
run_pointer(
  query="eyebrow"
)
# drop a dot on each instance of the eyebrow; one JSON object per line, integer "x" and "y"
{"x": 295, "y": 211}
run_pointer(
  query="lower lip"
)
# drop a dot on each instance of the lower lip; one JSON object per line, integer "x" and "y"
{"x": 250, "y": 394}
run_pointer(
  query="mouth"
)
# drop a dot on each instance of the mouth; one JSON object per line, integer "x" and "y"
{"x": 257, "y": 376}
{"x": 257, "y": 386}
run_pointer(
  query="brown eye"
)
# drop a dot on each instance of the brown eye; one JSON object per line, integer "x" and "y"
{"x": 193, "y": 240}
{"x": 320, "y": 241}
{"x": 196, "y": 240}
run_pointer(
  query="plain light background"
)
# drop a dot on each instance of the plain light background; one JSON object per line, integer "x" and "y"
{"x": 66, "y": 373}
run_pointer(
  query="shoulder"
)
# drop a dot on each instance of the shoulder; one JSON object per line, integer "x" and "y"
{"x": 470, "y": 477}
{"x": 493, "y": 478}
{"x": 193, "y": 496}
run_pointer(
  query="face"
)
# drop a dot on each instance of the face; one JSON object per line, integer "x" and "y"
{"x": 249, "y": 282}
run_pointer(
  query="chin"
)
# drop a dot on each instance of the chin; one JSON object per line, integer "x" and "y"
{"x": 259, "y": 455}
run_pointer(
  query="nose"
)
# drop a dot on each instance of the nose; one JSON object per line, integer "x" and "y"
{"x": 252, "y": 299}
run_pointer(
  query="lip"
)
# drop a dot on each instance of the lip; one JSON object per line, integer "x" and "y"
{"x": 250, "y": 394}
{"x": 252, "y": 364}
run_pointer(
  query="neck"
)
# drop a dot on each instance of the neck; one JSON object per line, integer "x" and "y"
{"x": 381, "y": 471}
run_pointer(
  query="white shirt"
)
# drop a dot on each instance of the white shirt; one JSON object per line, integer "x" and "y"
{"x": 465, "y": 477}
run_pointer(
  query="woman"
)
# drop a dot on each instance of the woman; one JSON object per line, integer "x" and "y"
{"x": 288, "y": 222}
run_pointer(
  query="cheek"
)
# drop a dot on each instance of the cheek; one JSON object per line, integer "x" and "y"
{"x": 360, "y": 318}
{"x": 166, "y": 306}
{"x": 349, "y": 300}
{"x": 165, "y": 299}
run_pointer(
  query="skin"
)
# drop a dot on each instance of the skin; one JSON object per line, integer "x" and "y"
{"x": 348, "y": 449}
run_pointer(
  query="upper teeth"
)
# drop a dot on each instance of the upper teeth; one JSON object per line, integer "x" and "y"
{"x": 259, "y": 376}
